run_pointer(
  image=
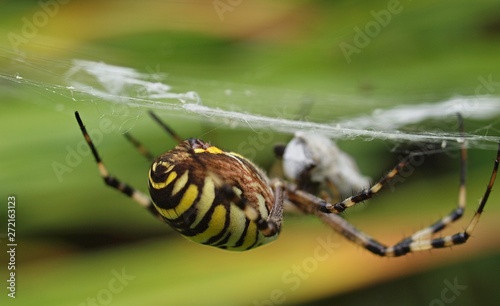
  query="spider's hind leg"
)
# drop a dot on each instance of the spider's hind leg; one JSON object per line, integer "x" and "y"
{"x": 421, "y": 240}
{"x": 458, "y": 211}
{"x": 411, "y": 244}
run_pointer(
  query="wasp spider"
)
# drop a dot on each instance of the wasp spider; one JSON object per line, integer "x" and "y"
{"x": 221, "y": 199}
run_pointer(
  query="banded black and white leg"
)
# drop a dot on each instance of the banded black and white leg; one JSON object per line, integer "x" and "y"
{"x": 141, "y": 198}
{"x": 426, "y": 232}
{"x": 309, "y": 203}
{"x": 419, "y": 241}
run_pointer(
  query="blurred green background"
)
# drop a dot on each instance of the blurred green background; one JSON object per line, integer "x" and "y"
{"x": 76, "y": 237}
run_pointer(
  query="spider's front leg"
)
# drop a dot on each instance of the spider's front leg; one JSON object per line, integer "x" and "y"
{"x": 309, "y": 203}
{"x": 112, "y": 181}
{"x": 328, "y": 212}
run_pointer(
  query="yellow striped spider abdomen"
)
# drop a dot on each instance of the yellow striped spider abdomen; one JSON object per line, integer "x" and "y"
{"x": 211, "y": 196}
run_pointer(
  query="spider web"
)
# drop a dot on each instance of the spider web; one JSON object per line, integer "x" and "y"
{"x": 90, "y": 81}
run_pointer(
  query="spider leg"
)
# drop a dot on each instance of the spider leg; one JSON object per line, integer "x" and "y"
{"x": 365, "y": 194}
{"x": 143, "y": 150}
{"x": 167, "y": 129}
{"x": 113, "y": 182}
{"x": 407, "y": 245}
{"x": 308, "y": 202}
{"x": 139, "y": 147}
{"x": 458, "y": 211}
{"x": 276, "y": 214}
{"x": 419, "y": 242}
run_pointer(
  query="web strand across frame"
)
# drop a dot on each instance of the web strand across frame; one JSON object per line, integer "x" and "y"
{"x": 128, "y": 87}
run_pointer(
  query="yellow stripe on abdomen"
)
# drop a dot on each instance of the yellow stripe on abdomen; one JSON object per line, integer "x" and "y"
{"x": 185, "y": 203}
{"x": 215, "y": 225}
{"x": 161, "y": 185}
{"x": 180, "y": 182}
{"x": 205, "y": 201}
{"x": 237, "y": 221}
{"x": 250, "y": 236}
